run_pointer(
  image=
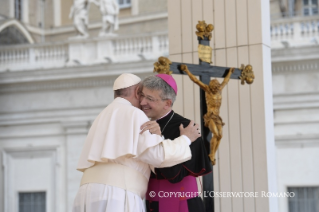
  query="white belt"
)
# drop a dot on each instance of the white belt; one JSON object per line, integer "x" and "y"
{"x": 117, "y": 175}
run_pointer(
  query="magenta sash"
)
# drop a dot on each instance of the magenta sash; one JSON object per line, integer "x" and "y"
{"x": 172, "y": 197}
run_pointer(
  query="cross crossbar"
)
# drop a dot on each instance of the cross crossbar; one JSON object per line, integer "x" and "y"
{"x": 205, "y": 69}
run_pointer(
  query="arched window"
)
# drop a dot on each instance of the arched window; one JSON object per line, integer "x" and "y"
{"x": 12, "y": 35}
{"x": 13, "y": 32}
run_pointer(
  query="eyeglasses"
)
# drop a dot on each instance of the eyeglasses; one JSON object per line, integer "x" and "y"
{"x": 148, "y": 98}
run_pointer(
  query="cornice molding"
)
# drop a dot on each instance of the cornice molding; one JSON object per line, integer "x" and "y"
{"x": 302, "y": 122}
{"x": 76, "y": 127}
{"x": 56, "y": 85}
{"x": 295, "y": 54}
{"x": 297, "y": 141}
{"x": 76, "y": 72}
{"x": 295, "y": 101}
{"x": 297, "y": 137}
{"x": 48, "y": 150}
{"x": 70, "y": 77}
{"x": 295, "y": 66}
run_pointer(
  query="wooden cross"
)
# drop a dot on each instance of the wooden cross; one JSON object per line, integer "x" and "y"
{"x": 205, "y": 71}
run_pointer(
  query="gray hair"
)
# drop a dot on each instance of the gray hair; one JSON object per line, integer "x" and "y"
{"x": 156, "y": 83}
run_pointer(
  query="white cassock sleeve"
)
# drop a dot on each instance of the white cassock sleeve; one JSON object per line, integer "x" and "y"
{"x": 116, "y": 133}
{"x": 167, "y": 153}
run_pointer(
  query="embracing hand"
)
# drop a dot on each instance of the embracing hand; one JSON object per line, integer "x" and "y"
{"x": 152, "y": 126}
{"x": 192, "y": 131}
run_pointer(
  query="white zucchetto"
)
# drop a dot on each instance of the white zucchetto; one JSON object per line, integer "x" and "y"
{"x": 125, "y": 80}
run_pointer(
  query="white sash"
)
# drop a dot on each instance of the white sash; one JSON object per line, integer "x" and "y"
{"x": 116, "y": 175}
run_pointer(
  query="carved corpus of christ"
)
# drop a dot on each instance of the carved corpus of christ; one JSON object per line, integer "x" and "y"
{"x": 212, "y": 120}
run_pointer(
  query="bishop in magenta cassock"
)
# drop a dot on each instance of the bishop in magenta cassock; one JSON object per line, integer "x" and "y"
{"x": 175, "y": 187}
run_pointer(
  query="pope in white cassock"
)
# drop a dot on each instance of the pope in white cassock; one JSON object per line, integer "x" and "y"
{"x": 118, "y": 156}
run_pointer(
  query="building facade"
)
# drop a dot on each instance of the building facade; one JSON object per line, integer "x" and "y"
{"x": 295, "y": 69}
{"x": 52, "y": 88}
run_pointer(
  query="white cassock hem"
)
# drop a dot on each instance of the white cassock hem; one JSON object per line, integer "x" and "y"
{"x": 94, "y": 197}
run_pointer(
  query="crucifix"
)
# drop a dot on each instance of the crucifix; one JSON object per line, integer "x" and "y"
{"x": 210, "y": 94}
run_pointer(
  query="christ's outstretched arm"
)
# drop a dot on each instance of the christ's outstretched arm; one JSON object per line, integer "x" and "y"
{"x": 193, "y": 78}
{"x": 226, "y": 80}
